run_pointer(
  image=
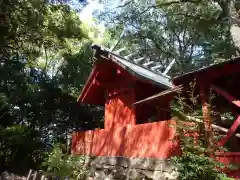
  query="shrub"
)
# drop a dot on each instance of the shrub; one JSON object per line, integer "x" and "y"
{"x": 21, "y": 148}
{"x": 197, "y": 153}
{"x": 64, "y": 165}
{"x": 198, "y": 167}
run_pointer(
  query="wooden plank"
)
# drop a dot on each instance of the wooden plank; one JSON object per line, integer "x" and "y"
{"x": 169, "y": 67}
{"x": 113, "y": 85}
{"x": 227, "y": 153}
{"x": 163, "y": 93}
{"x": 230, "y": 132}
{"x": 224, "y": 70}
{"x": 88, "y": 84}
{"x": 214, "y": 126}
{"x": 223, "y": 129}
{"x": 225, "y": 94}
{"x": 29, "y": 174}
{"x": 211, "y": 72}
{"x": 35, "y": 175}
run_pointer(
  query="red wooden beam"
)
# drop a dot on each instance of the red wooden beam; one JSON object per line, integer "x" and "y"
{"x": 230, "y": 132}
{"x": 226, "y": 95}
{"x": 118, "y": 92}
{"x": 223, "y": 71}
{"x": 113, "y": 85}
{"x": 236, "y": 123}
{"x": 227, "y": 153}
{"x": 88, "y": 84}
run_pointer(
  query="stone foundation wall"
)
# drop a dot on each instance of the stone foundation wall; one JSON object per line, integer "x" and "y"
{"x": 109, "y": 168}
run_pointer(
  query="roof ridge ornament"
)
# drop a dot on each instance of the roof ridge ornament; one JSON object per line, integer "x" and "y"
{"x": 150, "y": 65}
{"x": 147, "y": 64}
{"x": 119, "y": 50}
{"x": 117, "y": 41}
{"x": 154, "y": 68}
{"x": 130, "y": 55}
{"x": 169, "y": 67}
{"x": 139, "y": 59}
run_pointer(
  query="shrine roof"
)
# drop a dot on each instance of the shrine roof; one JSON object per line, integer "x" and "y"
{"x": 135, "y": 69}
{"x": 210, "y": 72}
{"x": 105, "y": 60}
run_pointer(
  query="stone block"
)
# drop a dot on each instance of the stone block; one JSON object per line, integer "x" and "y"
{"x": 122, "y": 168}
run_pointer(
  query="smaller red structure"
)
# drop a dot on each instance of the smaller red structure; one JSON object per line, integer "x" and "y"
{"x": 117, "y": 84}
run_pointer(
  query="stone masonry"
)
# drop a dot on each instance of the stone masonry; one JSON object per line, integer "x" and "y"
{"x": 111, "y": 168}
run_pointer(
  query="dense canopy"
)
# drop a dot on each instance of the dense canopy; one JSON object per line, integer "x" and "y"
{"x": 45, "y": 58}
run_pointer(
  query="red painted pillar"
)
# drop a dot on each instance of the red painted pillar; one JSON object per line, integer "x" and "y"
{"x": 119, "y": 111}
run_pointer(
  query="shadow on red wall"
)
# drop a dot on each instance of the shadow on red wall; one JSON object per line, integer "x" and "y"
{"x": 145, "y": 140}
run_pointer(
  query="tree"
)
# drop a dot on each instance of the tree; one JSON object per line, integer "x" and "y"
{"x": 188, "y": 32}
{"x": 43, "y": 65}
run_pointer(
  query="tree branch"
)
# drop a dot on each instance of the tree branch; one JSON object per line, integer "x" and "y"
{"x": 177, "y": 2}
{"x": 124, "y": 5}
{"x": 156, "y": 44}
{"x": 46, "y": 59}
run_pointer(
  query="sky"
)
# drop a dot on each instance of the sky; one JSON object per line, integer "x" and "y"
{"x": 92, "y": 5}
{"x": 86, "y": 14}
{"x": 87, "y": 8}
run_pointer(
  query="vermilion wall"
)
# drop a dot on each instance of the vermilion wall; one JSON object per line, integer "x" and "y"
{"x": 145, "y": 140}
{"x": 119, "y": 110}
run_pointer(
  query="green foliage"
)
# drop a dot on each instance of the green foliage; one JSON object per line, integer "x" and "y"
{"x": 198, "y": 167}
{"x": 198, "y": 147}
{"x": 44, "y": 62}
{"x": 75, "y": 69}
{"x": 45, "y": 59}
{"x": 20, "y": 148}
{"x": 192, "y": 33}
{"x": 187, "y": 111}
{"x": 64, "y": 165}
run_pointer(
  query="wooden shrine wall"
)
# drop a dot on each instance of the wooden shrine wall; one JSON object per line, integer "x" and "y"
{"x": 153, "y": 140}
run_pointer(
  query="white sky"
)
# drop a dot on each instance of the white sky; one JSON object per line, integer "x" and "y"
{"x": 87, "y": 17}
{"x": 87, "y": 12}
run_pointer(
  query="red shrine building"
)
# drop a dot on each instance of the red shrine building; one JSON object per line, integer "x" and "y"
{"x": 137, "y": 103}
